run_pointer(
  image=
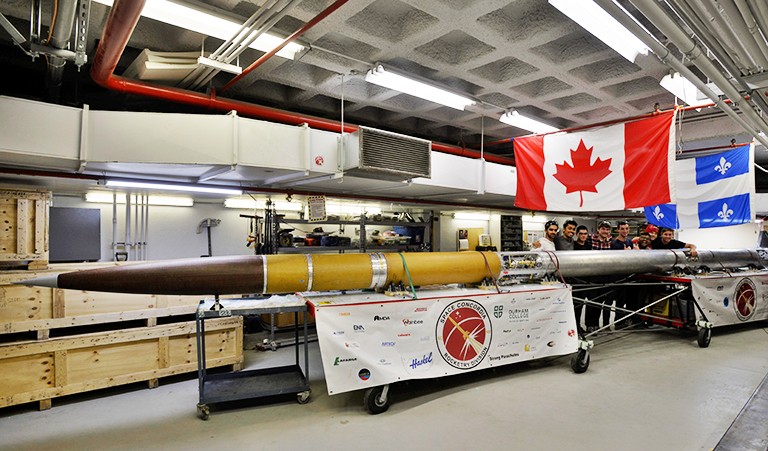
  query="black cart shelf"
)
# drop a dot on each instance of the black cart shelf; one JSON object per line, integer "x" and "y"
{"x": 251, "y": 384}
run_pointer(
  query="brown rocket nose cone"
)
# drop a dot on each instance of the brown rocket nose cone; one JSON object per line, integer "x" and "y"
{"x": 194, "y": 276}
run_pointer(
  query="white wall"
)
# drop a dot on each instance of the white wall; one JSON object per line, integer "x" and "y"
{"x": 735, "y": 237}
{"x": 173, "y": 230}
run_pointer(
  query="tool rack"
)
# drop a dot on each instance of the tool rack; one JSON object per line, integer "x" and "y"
{"x": 258, "y": 383}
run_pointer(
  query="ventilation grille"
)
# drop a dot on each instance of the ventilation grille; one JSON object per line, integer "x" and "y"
{"x": 393, "y": 156}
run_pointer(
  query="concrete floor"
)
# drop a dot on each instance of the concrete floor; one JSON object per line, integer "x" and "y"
{"x": 643, "y": 390}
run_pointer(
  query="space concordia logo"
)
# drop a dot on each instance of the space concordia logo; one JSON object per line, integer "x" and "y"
{"x": 463, "y": 334}
{"x": 745, "y": 300}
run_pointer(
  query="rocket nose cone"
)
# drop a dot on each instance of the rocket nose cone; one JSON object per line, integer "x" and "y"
{"x": 51, "y": 281}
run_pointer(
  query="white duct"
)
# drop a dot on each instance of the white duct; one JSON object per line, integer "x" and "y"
{"x": 667, "y": 58}
{"x": 659, "y": 18}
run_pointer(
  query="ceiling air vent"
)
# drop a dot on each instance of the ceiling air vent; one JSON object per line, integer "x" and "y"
{"x": 384, "y": 155}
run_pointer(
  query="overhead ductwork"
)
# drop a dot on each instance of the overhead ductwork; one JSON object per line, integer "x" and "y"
{"x": 745, "y": 107}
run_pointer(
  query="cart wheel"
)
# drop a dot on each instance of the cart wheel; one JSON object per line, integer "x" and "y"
{"x": 203, "y": 411}
{"x": 705, "y": 336}
{"x": 580, "y": 361}
{"x": 374, "y": 402}
{"x": 303, "y": 397}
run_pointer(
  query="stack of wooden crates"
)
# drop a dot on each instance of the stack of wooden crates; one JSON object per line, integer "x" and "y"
{"x": 57, "y": 342}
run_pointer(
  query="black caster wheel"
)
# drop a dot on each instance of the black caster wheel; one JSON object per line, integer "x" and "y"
{"x": 303, "y": 397}
{"x": 580, "y": 361}
{"x": 203, "y": 411}
{"x": 375, "y": 401}
{"x": 704, "y": 337}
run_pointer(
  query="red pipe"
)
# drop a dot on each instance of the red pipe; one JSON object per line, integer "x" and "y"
{"x": 326, "y": 12}
{"x": 120, "y": 25}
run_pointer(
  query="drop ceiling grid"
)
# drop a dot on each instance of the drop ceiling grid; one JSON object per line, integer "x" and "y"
{"x": 569, "y": 104}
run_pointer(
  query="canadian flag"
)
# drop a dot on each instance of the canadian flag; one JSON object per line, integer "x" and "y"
{"x": 616, "y": 167}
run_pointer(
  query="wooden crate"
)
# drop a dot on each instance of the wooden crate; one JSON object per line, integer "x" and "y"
{"x": 40, "y": 309}
{"x": 285, "y": 319}
{"x": 24, "y": 227}
{"x": 45, "y": 369}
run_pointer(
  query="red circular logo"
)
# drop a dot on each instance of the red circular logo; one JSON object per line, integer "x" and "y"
{"x": 319, "y": 160}
{"x": 464, "y": 334}
{"x": 745, "y": 301}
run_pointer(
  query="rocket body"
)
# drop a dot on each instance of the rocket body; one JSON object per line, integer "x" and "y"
{"x": 263, "y": 274}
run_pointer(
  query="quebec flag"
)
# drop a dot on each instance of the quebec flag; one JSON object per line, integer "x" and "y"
{"x": 712, "y": 191}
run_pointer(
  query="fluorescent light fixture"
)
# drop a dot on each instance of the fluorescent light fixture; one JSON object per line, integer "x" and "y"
{"x": 472, "y": 216}
{"x": 351, "y": 209}
{"x": 684, "y": 90}
{"x": 526, "y": 123}
{"x": 388, "y": 79}
{"x": 197, "y": 19}
{"x": 170, "y": 187}
{"x": 595, "y": 20}
{"x": 106, "y": 198}
{"x": 252, "y": 204}
{"x": 535, "y": 219}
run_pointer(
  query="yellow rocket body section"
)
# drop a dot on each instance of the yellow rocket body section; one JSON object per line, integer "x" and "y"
{"x": 442, "y": 267}
{"x": 324, "y": 272}
{"x": 285, "y": 273}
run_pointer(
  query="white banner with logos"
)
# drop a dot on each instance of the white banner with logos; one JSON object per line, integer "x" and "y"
{"x": 735, "y": 299}
{"x": 376, "y": 341}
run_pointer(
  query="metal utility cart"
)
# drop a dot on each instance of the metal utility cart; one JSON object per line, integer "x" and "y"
{"x": 251, "y": 384}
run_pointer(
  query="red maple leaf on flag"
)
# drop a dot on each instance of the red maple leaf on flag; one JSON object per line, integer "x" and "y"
{"x": 582, "y": 176}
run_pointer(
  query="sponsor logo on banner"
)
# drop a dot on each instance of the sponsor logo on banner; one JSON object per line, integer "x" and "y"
{"x": 519, "y": 315}
{"x": 745, "y": 300}
{"x": 338, "y": 332}
{"x": 344, "y": 314}
{"x": 358, "y": 328}
{"x": 551, "y": 344}
{"x": 420, "y": 309}
{"x": 506, "y": 331}
{"x": 403, "y": 335}
{"x": 384, "y": 362}
{"x": 352, "y": 344}
{"x": 571, "y": 332}
{"x": 381, "y": 318}
{"x": 418, "y": 363}
{"x": 498, "y": 311}
{"x": 503, "y": 357}
{"x": 412, "y": 322}
{"x": 340, "y": 361}
{"x": 364, "y": 374}
{"x": 463, "y": 333}
{"x": 425, "y": 338}
{"x": 388, "y": 344}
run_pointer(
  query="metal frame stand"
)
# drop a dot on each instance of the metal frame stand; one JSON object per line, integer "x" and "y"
{"x": 250, "y": 384}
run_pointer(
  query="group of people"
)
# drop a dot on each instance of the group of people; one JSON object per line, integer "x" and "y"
{"x": 577, "y": 237}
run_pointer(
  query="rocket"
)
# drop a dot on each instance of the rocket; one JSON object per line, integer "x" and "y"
{"x": 266, "y": 274}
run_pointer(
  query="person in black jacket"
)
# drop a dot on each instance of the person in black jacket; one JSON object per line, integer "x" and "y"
{"x": 665, "y": 240}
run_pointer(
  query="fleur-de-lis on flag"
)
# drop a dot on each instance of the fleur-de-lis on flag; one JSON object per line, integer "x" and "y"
{"x": 657, "y": 213}
{"x": 725, "y": 213}
{"x": 723, "y": 167}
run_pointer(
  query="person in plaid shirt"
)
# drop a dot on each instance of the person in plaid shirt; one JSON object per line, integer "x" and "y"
{"x": 602, "y": 239}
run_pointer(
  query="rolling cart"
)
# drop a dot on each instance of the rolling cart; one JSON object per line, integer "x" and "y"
{"x": 251, "y": 384}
